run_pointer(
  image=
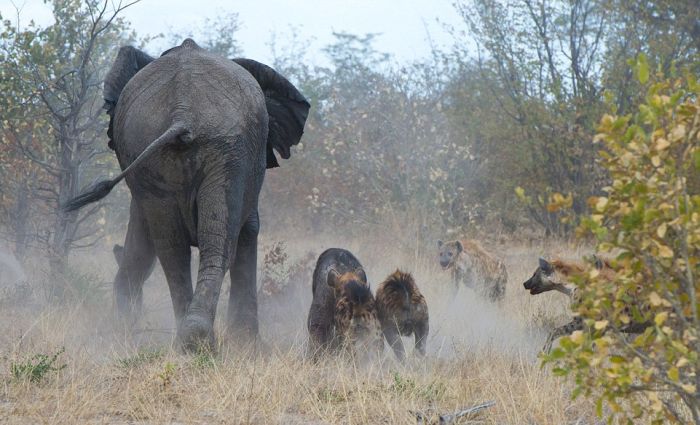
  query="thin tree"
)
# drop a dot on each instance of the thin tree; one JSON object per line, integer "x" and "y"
{"x": 59, "y": 71}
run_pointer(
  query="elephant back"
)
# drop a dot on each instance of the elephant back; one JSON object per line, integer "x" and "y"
{"x": 215, "y": 99}
{"x": 287, "y": 108}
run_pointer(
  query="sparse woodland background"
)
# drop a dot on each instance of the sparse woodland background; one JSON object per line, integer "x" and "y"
{"x": 491, "y": 138}
{"x": 437, "y": 146}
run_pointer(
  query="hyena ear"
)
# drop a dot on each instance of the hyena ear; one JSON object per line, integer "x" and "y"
{"x": 440, "y": 243}
{"x": 597, "y": 262}
{"x": 332, "y": 278}
{"x": 362, "y": 275}
{"x": 460, "y": 248}
{"x": 545, "y": 266}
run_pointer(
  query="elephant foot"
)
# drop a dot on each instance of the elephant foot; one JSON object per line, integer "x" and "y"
{"x": 126, "y": 319}
{"x": 243, "y": 333}
{"x": 196, "y": 334}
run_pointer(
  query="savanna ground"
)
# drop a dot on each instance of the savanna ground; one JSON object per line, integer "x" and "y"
{"x": 446, "y": 138}
{"x": 477, "y": 351}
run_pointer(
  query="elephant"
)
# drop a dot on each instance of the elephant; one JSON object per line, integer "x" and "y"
{"x": 194, "y": 133}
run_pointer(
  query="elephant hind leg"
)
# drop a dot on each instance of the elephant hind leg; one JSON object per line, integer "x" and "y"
{"x": 218, "y": 224}
{"x": 242, "y": 318}
{"x": 172, "y": 246}
{"x": 135, "y": 266}
{"x": 175, "y": 257}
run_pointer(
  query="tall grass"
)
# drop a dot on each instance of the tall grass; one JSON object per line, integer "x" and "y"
{"x": 476, "y": 352}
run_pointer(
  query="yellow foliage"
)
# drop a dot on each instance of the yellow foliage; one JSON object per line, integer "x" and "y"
{"x": 650, "y": 218}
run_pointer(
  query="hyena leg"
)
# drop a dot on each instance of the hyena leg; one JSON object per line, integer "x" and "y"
{"x": 454, "y": 288}
{"x": 320, "y": 331}
{"x": 568, "y": 329}
{"x": 502, "y": 282}
{"x": 635, "y": 328}
{"x": 391, "y": 333}
{"x": 492, "y": 289}
{"x": 497, "y": 284}
{"x": 421, "y": 335}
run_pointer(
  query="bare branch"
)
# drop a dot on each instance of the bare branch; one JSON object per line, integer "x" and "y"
{"x": 427, "y": 416}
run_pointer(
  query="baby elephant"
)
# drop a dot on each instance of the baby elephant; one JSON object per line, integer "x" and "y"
{"x": 402, "y": 311}
{"x": 343, "y": 311}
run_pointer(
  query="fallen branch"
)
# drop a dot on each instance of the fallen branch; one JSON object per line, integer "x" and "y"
{"x": 425, "y": 418}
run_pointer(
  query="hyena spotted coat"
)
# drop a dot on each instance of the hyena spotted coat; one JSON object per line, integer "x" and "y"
{"x": 555, "y": 275}
{"x": 343, "y": 310}
{"x": 402, "y": 311}
{"x": 473, "y": 267}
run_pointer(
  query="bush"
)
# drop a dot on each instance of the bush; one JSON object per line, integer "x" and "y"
{"x": 650, "y": 221}
{"x": 36, "y": 368}
{"x": 141, "y": 358}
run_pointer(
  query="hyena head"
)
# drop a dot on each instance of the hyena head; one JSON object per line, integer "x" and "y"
{"x": 355, "y": 315}
{"x": 118, "y": 252}
{"x": 543, "y": 278}
{"x": 448, "y": 252}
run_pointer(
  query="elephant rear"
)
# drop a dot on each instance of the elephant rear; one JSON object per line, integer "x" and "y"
{"x": 215, "y": 100}
{"x": 218, "y": 162}
{"x": 193, "y": 133}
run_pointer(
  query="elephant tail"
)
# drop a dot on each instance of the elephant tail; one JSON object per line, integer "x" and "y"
{"x": 102, "y": 188}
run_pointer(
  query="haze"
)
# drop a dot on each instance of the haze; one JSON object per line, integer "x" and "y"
{"x": 407, "y": 28}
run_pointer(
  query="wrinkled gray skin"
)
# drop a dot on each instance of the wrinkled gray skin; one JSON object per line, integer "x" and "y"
{"x": 190, "y": 130}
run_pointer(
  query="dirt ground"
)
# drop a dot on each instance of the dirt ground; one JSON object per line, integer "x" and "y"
{"x": 477, "y": 351}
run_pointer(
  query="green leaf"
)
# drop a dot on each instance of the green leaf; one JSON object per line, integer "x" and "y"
{"x": 558, "y": 371}
{"x": 520, "y": 192}
{"x": 673, "y": 374}
{"x": 642, "y": 68}
{"x": 576, "y": 392}
{"x": 618, "y": 359}
{"x": 557, "y": 353}
{"x": 631, "y": 220}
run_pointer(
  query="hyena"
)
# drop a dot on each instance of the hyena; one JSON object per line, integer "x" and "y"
{"x": 343, "y": 311}
{"x": 402, "y": 311}
{"x": 472, "y": 266}
{"x": 556, "y": 275}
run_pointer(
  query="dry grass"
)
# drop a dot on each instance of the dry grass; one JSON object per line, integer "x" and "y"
{"x": 477, "y": 352}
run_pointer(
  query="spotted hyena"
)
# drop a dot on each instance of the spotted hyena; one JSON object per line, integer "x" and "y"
{"x": 343, "y": 310}
{"x": 473, "y": 267}
{"x": 402, "y": 311}
{"x": 556, "y": 275}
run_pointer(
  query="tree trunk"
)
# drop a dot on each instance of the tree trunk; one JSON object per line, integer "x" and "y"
{"x": 21, "y": 217}
{"x": 65, "y": 225}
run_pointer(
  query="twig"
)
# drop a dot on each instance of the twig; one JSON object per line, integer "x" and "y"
{"x": 450, "y": 418}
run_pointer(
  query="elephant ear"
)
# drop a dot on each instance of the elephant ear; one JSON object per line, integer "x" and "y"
{"x": 286, "y": 107}
{"x": 129, "y": 61}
